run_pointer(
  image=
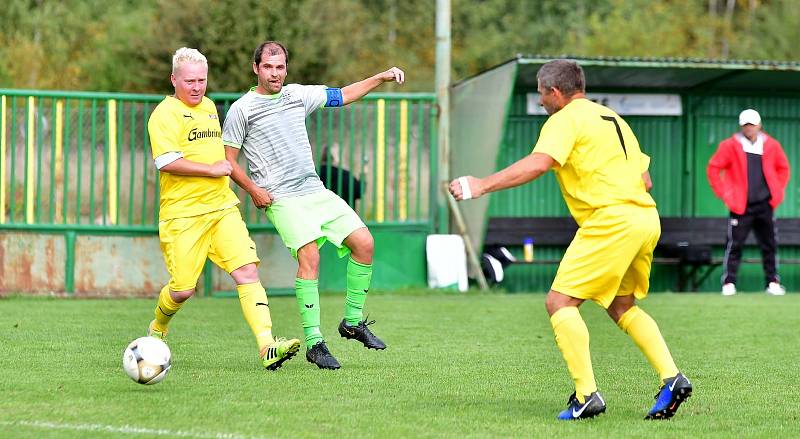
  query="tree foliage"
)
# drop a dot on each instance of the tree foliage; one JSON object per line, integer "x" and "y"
{"x": 126, "y": 45}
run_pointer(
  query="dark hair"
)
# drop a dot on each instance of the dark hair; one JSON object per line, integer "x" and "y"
{"x": 564, "y": 74}
{"x": 272, "y": 48}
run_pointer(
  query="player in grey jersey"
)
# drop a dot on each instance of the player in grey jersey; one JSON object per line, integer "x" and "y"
{"x": 268, "y": 123}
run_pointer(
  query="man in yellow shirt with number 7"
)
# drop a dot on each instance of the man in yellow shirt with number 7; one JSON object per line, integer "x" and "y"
{"x": 603, "y": 177}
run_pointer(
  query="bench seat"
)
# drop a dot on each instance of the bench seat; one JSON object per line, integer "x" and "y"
{"x": 676, "y": 232}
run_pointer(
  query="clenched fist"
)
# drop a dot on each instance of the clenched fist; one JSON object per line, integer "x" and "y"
{"x": 393, "y": 74}
{"x": 465, "y": 188}
{"x": 221, "y": 168}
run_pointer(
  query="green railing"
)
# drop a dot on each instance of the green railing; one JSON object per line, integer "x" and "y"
{"x": 80, "y": 163}
{"x": 78, "y": 160}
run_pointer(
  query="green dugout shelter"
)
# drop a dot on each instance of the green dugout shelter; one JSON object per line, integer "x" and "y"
{"x": 680, "y": 109}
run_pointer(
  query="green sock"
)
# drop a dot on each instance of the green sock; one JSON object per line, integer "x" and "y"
{"x": 358, "y": 279}
{"x": 307, "y": 293}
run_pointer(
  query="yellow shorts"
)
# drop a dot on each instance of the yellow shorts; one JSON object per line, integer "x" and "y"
{"x": 220, "y": 236}
{"x": 610, "y": 255}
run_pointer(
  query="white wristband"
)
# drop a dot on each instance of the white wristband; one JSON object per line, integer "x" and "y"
{"x": 466, "y": 193}
{"x": 167, "y": 158}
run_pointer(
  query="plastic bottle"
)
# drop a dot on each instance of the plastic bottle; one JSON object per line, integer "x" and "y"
{"x": 528, "y": 249}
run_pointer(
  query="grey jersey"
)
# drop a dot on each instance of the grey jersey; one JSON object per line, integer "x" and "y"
{"x": 272, "y": 131}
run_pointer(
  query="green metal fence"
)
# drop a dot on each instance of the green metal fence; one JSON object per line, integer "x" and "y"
{"x": 75, "y": 162}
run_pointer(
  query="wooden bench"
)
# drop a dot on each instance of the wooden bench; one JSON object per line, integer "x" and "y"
{"x": 684, "y": 242}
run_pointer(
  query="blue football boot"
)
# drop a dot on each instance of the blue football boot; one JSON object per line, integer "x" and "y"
{"x": 670, "y": 396}
{"x": 593, "y": 406}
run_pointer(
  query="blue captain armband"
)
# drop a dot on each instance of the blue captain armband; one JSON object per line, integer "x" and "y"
{"x": 335, "y": 98}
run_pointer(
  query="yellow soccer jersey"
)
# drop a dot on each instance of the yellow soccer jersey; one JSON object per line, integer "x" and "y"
{"x": 195, "y": 133}
{"x": 599, "y": 160}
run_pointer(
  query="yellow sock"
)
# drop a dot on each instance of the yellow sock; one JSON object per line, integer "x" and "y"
{"x": 255, "y": 307}
{"x": 572, "y": 338}
{"x": 644, "y": 332}
{"x": 165, "y": 309}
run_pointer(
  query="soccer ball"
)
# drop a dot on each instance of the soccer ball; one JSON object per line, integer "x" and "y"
{"x": 147, "y": 360}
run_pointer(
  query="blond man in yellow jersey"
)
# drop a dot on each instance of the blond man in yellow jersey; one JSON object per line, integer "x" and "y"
{"x": 198, "y": 216}
{"x": 603, "y": 177}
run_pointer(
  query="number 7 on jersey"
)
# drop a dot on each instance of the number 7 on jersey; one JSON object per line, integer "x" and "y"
{"x": 613, "y": 120}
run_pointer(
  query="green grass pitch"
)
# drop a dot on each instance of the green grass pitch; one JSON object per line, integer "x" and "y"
{"x": 471, "y": 365}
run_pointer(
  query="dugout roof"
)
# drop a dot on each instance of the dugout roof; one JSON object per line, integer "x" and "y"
{"x": 668, "y": 74}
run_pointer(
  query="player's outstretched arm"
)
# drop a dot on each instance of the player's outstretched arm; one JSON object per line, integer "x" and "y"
{"x": 358, "y": 90}
{"x": 522, "y": 171}
{"x": 261, "y": 198}
{"x": 182, "y": 166}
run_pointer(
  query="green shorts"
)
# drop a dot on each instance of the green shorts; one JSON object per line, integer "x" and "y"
{"x": 321, "y": 216}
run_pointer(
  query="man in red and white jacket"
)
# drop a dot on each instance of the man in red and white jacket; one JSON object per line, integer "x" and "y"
{"x": 749, "y": 173}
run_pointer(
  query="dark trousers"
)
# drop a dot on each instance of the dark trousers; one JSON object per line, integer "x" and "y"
{"x": 759, "y": 218}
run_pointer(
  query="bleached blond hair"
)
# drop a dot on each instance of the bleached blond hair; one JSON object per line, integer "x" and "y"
{"x": 186, "y": 55}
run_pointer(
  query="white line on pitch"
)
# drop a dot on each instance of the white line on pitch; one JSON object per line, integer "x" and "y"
{"x": 126, "y": 429}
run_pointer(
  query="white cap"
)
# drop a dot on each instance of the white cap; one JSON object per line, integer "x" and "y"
{"x": 749, "y": 116}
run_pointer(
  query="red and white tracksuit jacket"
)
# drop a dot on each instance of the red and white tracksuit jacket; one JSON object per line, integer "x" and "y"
{"x": 731, "y": 186}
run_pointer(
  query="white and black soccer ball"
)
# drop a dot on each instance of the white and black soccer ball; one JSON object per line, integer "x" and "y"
{"x": 147, "y": 360}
